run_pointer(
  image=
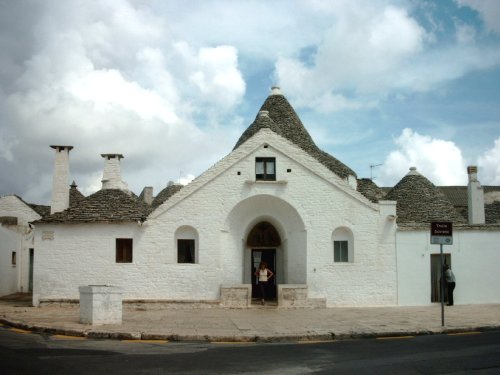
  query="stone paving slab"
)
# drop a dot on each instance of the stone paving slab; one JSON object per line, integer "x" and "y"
{"x": 256, "y": 324}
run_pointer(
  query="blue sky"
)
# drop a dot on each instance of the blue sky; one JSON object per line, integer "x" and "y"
{"x": 173, "y": 84}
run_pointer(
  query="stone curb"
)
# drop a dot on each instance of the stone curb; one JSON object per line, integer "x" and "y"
{"x": 331, "y": 336}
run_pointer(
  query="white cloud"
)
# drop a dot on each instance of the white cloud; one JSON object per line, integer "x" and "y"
{"x": 489, "y": 163}
{"x": 110, "y": 78}
{"x": 217, "y": 76}
{"x": 261, "y": 29}
{"x": 360, "y": 51}
{"x": 374, "y": 50}
{"x": 438, "y": 160}
{"x": 489, "y": 11}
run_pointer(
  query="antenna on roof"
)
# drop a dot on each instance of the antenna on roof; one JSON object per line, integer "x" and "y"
{"x": 371, "y": 170}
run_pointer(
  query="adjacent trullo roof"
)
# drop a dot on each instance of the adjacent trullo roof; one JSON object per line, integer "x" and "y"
{"x": 165, "y": 194}
{"x": 283, "y": 120}
{"x": 106, "y": 205}
{"x": 419, "y": 201}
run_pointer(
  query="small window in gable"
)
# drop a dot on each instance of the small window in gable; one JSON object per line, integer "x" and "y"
{"x": 265, "y": 169}
{"x": 186, "y": 238}
{"x": 14, "y": 258}
{"x": 124, "y": 250}
{"x": 185, "y": 251}
{"x": 343, "y": 245}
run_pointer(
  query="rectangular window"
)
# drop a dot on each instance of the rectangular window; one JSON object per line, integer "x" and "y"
{"x": 340, "y": 251}
{"x": 185, "y": 251}
{"x": 14, "y": 258}
{"x": 124, "y": 250}
{"x": 265, "y": 169}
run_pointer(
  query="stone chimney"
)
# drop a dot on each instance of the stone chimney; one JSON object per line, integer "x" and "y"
{"x": 475, "y": 195}
{"x": 112, "y": 175}
{"x": 60, "y": 187}
{"x": 147, "y": 195}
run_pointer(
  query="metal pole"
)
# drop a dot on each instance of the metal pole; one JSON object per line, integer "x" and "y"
{"x": 442, "y": 285}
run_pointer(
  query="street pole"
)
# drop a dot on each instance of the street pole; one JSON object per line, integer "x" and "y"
{"x": 442, "y": 285}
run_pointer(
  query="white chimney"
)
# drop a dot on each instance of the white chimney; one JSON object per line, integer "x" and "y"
{"x": 276, "y": 90}
{"x": 60, "y": 187}
{"x": 475, "y": 195}
{"x": 112, "y": 175}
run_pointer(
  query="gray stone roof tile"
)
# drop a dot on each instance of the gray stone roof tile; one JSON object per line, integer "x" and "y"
{"x": 75, "y": 196}
{"x": 165, "y": 194}
{"x": 108, "y": 205}
{"x": 370, "y": 190}
{"x": 492, "y": 212}
{"x": 419, "y": 201}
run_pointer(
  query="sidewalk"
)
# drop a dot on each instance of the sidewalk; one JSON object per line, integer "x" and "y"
{"x": 265, "y": 324}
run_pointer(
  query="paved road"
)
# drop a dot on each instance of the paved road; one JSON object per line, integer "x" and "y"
{"x": 27, "y": 353}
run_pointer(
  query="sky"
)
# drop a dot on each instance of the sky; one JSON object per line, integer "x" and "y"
{"x": 172, "y": 85}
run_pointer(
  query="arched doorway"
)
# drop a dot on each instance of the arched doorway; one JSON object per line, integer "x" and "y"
{"x": 263, "y": 240}
{"x": 291, "y": 254}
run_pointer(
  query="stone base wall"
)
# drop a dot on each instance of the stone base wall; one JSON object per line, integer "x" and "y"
{"x": 239, "y": 296}
{"x": 295, "y": 296}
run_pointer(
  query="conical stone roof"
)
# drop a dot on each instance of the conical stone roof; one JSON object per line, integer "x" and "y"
{"x": 286, "y": 123}
{"x": 165, "y": 194}
{"x": 261, "y": 121}
{"x": 419, "y": 201}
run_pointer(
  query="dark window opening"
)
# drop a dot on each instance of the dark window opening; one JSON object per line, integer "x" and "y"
{"x": 265, "y": 169}
{"x": 185, "y": 251}
{"x": 14, "y": 258}
{"x": 123, "y": 250}
{"x": 341, "y": 251}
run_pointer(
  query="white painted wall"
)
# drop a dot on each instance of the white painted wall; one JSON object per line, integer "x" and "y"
{"x": 10, "y": 241}
{"x": 475, "y": 255}
{"x": 305, "y": 205}
{"x": 18, "y": 238}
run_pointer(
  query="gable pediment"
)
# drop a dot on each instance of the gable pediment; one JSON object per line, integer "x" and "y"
{"x": 273, "y": 143}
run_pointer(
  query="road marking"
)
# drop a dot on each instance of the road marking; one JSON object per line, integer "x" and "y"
{"x": 464, "y": 333}
{"x": 306, "y": 342}
{"x": 19, "y": 330}
{"x": 395, "y": 337}
{"x": 232, "y": 342}
{"x": 66, "y": 337}
{"x": 147, "y": 341}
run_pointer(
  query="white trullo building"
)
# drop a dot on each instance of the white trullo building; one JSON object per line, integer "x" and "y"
{"x": 330, "y": 238}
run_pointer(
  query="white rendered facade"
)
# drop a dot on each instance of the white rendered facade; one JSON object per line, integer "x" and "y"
{"x": 18, "y": 239}
{"x": 306, "y": 204}
{"x": 474, "y": 255}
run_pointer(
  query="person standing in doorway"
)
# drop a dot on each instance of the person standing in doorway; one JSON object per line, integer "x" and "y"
{"x": 264, "y": 274}
{"x": 450, "y": 283}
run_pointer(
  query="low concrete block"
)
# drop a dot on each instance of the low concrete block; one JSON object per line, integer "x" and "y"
{"x": 100, "y": 304}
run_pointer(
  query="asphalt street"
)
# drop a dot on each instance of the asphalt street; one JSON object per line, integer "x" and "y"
{"x": 22, "y": 352}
